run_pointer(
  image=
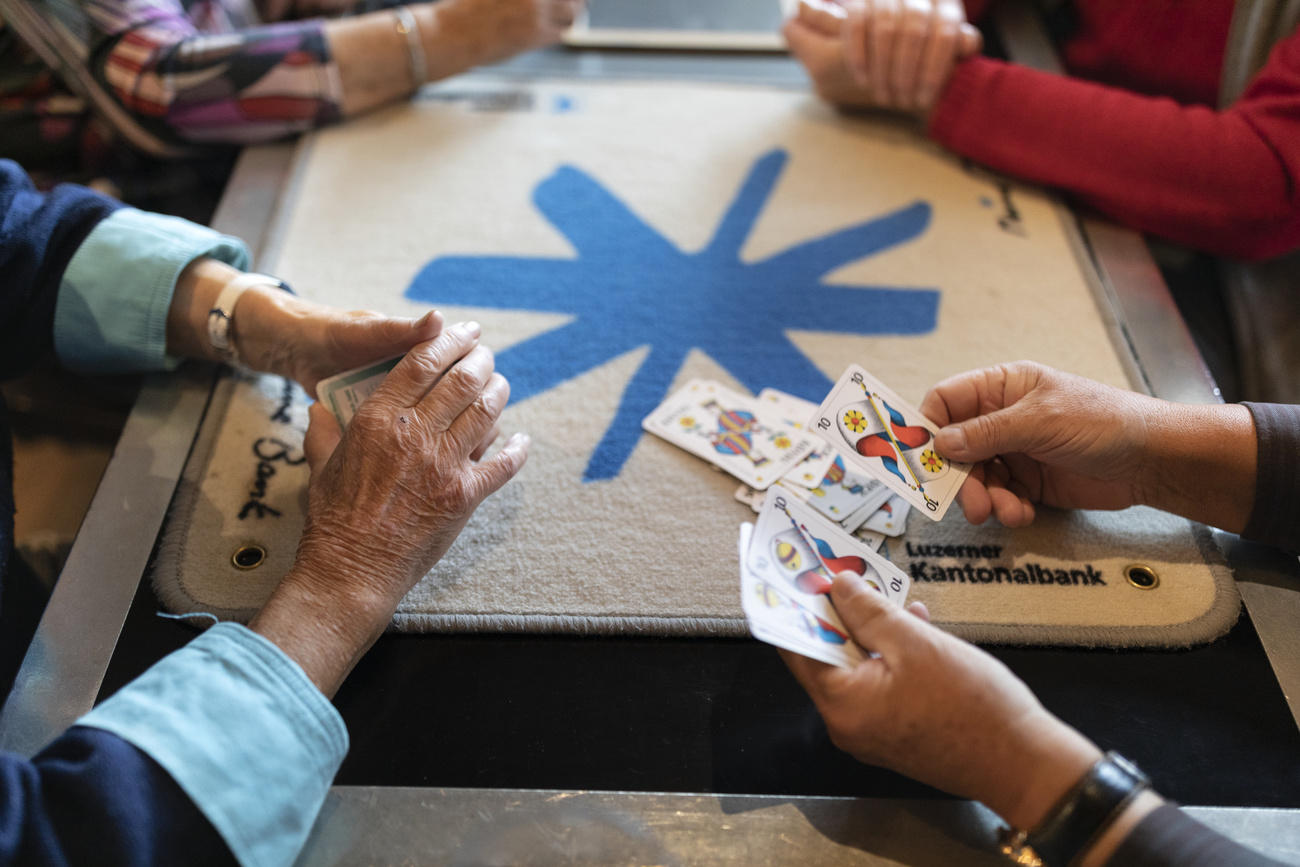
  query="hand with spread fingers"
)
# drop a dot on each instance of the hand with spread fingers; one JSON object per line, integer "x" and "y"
{"x": 892, "y": 54}
{"x": 387, "y": 498}
{"x": 1041, "y": 436}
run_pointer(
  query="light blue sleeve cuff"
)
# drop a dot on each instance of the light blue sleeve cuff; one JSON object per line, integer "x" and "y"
{"x": 111, "y": 313}
{"x": 242, "y": 731}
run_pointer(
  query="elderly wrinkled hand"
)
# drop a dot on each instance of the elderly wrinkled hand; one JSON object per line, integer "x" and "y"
{"x": 940, "y": 710}
{"x": 387, "y": 498}
{"x": 390, "y": 494}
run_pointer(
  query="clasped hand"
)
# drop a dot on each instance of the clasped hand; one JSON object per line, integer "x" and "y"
{"x": 892, "y": 54}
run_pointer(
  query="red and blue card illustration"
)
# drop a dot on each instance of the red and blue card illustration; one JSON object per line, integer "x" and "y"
{"x": 881, "y": 435}
{"x": 787, "y": 563}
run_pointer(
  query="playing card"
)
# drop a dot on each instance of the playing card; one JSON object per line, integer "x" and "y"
{"x": 859, "y": 516}
{"x": 727, "y": 430}
{"x": 872, "y": 539}
{"x": 880, "y": 434}
{"x": 793, "y": 412}
{"x": 750, "y": 497}
{"x": 841, "y": 494}
{"x": 809, "y": 627}
{"x": 799, "y": 551}
{"x": 344, "y": 393}
{"x": 891, "y": 518}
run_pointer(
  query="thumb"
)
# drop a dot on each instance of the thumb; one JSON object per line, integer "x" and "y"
{"x": 874, "y": 622}
{"x": 1011, "y": 429}
{"x": 376, "y": 336}
{"x": 323, "y": 435}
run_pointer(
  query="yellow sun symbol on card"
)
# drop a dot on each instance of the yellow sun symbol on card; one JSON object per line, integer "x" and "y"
{"x": 782, "y": 442}
{"x": 686, "y": 421}
{"x": 932, "y": 462}
{"x": 855, "y": 421}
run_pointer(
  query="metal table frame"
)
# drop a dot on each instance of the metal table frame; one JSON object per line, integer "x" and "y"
{"x": 64, "y": 668}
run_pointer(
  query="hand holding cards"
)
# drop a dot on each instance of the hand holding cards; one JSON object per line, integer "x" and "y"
{"x": 881, "y": 435}
{"x": 787, "y": 562}
{"x": 871, "y": 460}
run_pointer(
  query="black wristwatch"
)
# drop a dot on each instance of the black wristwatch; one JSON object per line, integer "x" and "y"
{"x": 1086, "y": 810}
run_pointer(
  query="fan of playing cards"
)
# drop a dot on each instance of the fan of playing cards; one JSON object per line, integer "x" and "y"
{"x": 839, "y": 479}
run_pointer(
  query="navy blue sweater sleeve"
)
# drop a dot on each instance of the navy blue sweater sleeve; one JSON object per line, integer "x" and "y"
{"x": 1275, "y": 518}
{"x": 39, "y": 233}
{"x": 92, "y": 798}
{"x": 1168, "y": 837}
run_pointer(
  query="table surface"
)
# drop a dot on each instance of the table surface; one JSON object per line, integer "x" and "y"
{"x": 469, "y": 748}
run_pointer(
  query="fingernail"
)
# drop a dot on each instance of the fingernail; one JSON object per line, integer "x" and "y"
{"x": 953, "y": 439}
{"x": 518, "y": 441}
{"x": 470, "y": 329}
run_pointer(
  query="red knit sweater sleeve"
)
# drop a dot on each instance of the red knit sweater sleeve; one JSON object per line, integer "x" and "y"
{"x": 1223, "y": 181}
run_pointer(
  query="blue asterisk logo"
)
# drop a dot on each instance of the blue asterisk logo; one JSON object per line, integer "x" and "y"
{"x": 630, "y": 287}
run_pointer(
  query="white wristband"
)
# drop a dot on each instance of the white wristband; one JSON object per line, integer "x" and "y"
{"x": 222, "y": 315}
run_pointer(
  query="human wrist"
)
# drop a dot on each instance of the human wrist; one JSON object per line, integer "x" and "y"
{"x": 450, "y": 44}
{"x": 1200, "y": 463}
{"x": 267, "y": 323}
{"x": 1108, "y": 841}
{"x": 323, "y": 625}
{"x": 253, "y": 336}
{"x": 197, "y": 289}
{"x": 1049, "y": 760}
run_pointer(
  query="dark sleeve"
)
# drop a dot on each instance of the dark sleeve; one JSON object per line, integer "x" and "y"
{"x": 92, "y": 798}
{"x": 1275, "y": 517}
{"x": 1168, "y": 837}
{"x": 39, "y": 233}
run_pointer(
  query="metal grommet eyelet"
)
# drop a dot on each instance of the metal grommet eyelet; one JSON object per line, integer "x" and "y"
{"x": 248, "y": 557}
{"x": 1141, "y": 576}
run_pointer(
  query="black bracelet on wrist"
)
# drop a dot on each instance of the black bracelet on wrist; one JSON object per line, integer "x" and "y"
{"x": 1086, "y": 810}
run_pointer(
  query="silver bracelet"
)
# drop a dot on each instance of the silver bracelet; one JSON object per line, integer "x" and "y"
{"x": 410, "y": 28}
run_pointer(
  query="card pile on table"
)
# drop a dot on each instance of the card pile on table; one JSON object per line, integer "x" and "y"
{"x": 829, "y": 484}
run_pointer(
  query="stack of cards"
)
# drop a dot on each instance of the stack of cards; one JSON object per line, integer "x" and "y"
{"x": 854, "y": 501}
{"x": 787, "y": 560}
{"x": 750, "y": 440}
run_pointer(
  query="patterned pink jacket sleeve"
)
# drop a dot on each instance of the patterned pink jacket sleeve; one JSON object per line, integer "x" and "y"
{"x": 168, "y": 74}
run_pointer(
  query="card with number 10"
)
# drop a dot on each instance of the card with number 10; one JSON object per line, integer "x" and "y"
{"x": 880, "y": 434}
